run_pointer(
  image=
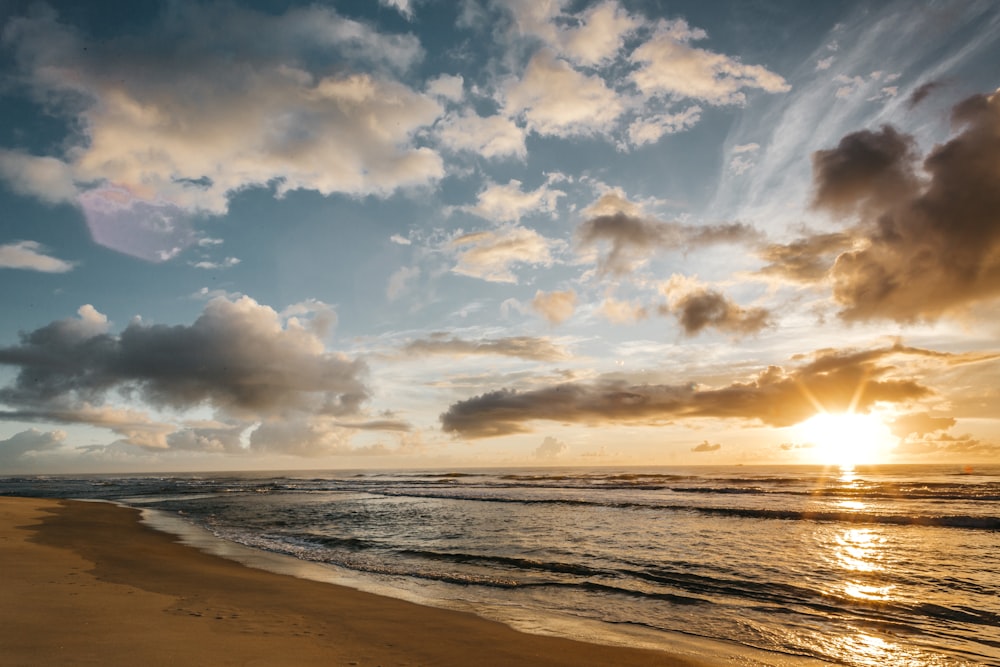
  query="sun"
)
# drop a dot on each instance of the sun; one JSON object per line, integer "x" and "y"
{"x": 846, "y": 439}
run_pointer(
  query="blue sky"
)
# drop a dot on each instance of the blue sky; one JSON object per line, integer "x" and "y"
{"x": 424, "y": 233}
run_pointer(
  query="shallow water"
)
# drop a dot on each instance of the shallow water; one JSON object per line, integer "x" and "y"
{"x": 877, "y": 566}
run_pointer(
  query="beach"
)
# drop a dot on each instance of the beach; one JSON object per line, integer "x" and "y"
{"x": 86, "y": 584}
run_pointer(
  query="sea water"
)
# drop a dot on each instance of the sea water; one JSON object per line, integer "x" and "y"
{"x": 886, "y": 566}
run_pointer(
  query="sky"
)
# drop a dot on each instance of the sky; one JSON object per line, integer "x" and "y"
{"x": 426, "y": 233}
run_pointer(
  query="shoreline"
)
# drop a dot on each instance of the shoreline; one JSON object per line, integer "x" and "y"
{"x": 87, "y": 583}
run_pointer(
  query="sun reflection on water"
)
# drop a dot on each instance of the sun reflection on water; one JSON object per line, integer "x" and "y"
{"x": 859, "y": 558}
{"x": 859, "y": 550}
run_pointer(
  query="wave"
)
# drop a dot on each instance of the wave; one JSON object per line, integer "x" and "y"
{"x": 854, "y": 517}
{"x": 893, "y": 493}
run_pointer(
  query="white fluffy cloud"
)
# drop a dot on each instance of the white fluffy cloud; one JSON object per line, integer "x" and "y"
{"x": 491, "y": 254}
{"x": 508, "y": 203}
{"x": 590, "y": 37}
{"x": 492, "y": 137}
{"x": 32, "y": 256}
{"x": 315, "y": 106}
{"x": 47, "y": 178}
{"x": 555, "y": 99}
{"x": 447, "y": 86}
{"x": 669, "y": 65}
{"x": 649, "y": 130}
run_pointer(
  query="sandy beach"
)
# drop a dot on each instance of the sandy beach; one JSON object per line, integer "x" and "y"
{"x": 87, "y": 584}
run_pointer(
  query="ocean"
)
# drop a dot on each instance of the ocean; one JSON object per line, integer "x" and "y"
{"x": 886, "y": 566}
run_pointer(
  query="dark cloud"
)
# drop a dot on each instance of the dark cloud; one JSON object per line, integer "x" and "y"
{"x": 395, "y": 425}
{"x": 524, "y": 347}
{"x": 866, "y": 168}
{"x": 930, "y": 242}
{"x": 707, "y": 446}
{"x": 238, "y": 357}
{"x": 704, "y": 308}
{"x": 832, "y": 380}
{"x": 920, "y": 424}
{"x": 921, "y": 92}
{"x": 806, "y": 260}
{"x": 631, "y": 240}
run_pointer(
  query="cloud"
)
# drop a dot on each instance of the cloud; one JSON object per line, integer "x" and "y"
{"x": 400, "y": 281}
{"x": 805, "y": 260}
{"x": 491, "y": 137}
{"x": 623, "y": 312}
{"x": 238, "y": 357}
{"x": 706, "y": 446}
{"x": 508, "y": 203}
{"x": 669, "y": 65}
{"x": 295, "y": 112}
{"x": 402, "y": 6}
{"x": 134, "y": 426}
{"x": 792, "y": 446}
{"x": 931, "y": 241}
{"x": 833, "y": 380}
{"x": 922, "y": 92}
{"x": 824, "y": 63}
{"x": 490, "y": 254}
{"x": 21, "y": 447}
{"x": 306, "y": 437}
{"x": 556, "y": 307}
{"x": 214, "y": 438}
{"x": 948, "y": 447}
{"x": 631, "y": 240}
{"x": 227, "y": 263}
{"x": 522, "y": 347}
{"x": 47, "y": 178}
{"x": 589, "y": 37}
{"x": 920, "y": 424}
{"x": 550, "y": 449}
{"x": 702, "y": 308}
{"x": 447, "y": 86}
{"x": 556, "y": 100}
{"x": 599, "y": 34}
{"x": 31, "y": 255}
{"x": 650, "y": 129}
{"x": 741, "y": 162}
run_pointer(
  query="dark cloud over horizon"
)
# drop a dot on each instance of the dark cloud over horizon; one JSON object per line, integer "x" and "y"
{"x": 832, "y": 380}
{"x": 238, "y": 357}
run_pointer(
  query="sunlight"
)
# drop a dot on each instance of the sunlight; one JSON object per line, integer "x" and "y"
{"x": 846, "y": 439}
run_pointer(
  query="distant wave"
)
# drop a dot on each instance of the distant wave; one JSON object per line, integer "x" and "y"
{"x": 854, "y": 517}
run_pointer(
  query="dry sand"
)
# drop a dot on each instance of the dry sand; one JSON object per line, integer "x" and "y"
{"x": 87, "y": 584}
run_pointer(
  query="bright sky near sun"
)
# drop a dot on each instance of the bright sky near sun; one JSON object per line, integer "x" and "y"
{"x": 238, "y": 235}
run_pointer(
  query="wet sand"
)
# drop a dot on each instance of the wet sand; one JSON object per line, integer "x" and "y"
{"x": 87, "y": 584}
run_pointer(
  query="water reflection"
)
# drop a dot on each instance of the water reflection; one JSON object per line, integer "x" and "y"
{"x": 859, "y": 550}
{"x": 859, "y": 559}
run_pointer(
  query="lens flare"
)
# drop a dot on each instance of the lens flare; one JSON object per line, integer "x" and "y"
{"x": 846, "y": 439}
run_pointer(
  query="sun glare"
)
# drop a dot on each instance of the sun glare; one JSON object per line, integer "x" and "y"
{"x": 846, "y": 439}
